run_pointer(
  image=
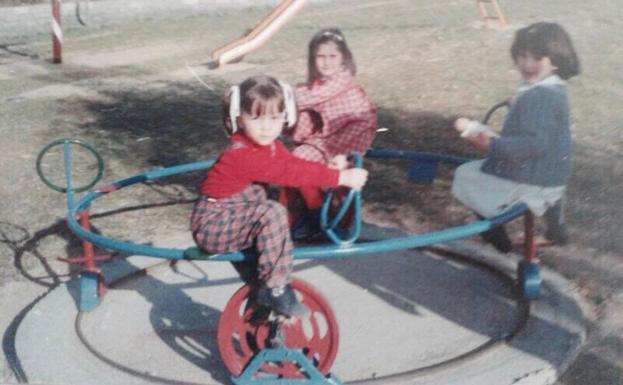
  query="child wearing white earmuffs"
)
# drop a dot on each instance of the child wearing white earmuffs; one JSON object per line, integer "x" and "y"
{"x": 233, "y": 213}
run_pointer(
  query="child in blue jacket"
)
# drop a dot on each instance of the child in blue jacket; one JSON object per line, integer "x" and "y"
{"x": 530, "y": 161}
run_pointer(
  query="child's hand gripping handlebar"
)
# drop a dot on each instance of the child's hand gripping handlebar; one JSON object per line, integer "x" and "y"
{"x": 354, "y": 178}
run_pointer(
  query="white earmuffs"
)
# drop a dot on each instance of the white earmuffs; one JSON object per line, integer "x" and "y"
{"x": 234, "y": 107}
{"x": 290, "y": 103}
{"x": 288, "y": 100}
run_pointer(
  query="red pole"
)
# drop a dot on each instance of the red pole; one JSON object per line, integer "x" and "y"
{"x": 89, "y": 255}
{"x": 529, "y": 244}
{"x": 57, "y": 31}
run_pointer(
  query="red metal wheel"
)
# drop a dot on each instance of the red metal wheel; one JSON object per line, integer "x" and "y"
{"x": 243, "y": 331}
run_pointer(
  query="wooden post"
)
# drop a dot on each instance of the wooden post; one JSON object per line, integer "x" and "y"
{"x": 486, "y": 17}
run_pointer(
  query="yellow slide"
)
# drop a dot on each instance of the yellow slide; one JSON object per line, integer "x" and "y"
{"x": 235, "y": 50}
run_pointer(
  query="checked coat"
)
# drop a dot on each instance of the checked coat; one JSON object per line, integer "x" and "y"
{"x": 347, "y": 116}
{"x": 336, "y": 116}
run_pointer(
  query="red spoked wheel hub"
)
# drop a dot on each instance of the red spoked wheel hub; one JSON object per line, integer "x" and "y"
{"x": 243, "y": 331}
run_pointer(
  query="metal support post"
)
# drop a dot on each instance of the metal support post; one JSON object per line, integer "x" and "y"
{"x": 57, "y": 32}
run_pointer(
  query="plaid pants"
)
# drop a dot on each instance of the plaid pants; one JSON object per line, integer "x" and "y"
{"x": 244, "y": 220}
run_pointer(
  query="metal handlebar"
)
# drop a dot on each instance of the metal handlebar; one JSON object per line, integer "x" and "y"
{"x": 330, "y": 226}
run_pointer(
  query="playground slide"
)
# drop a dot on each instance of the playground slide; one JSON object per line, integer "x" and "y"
{"x": 260, "y": 34}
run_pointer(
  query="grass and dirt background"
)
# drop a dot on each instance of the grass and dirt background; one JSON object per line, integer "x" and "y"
{"x": 126, "y": 89}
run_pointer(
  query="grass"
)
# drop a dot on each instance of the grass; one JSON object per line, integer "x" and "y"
{"x": 425, "y": 63}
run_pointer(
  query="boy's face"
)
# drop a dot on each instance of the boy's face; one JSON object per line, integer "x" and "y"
{"x": 328, "y": 59}
{"x": 532, "y": 69}
{"x": 263, "y": 129}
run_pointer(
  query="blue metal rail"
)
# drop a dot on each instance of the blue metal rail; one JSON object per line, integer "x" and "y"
{"x": 309, "y": 252}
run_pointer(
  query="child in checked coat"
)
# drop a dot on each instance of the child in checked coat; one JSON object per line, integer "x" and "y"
{"x": 336, "y": 116}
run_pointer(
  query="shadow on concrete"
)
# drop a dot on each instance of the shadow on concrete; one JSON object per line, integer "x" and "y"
{"x": 20, "y": 242}
{"x": 471, "y": 296}
{"x": 187, "y": 327}
{"x": 29, "y": 245}
{"x": 23, "y": 244}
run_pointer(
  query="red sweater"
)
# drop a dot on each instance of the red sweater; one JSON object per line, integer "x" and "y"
{"x": 245, "y": 162}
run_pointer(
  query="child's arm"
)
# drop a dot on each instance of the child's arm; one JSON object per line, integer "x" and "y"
{"x": 470, "y": 128}
{"x": 476, "y": 133}
{"x": 276, "y": 165}
{"x": 309, "y": 123}
{"x": 312, "y": 173}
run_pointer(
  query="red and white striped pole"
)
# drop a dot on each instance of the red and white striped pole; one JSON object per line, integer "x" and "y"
{"x": 57, "y": 31}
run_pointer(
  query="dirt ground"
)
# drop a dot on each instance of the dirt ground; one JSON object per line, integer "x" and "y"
{"x": 126, "y": 89}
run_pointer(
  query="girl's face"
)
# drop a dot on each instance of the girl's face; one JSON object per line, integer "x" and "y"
{"x": 263, "y": 129}
{"x": 533, "y": 70}
{"x": 328, "y": 59}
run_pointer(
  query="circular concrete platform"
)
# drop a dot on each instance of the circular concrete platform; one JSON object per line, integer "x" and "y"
{"x": 410, "y": 317}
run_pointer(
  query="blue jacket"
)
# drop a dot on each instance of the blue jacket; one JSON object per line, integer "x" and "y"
{"x": 535, "y": 145}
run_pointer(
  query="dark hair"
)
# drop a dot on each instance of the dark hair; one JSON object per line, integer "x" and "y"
{"x": 258, "y": 94}
{"x": 548, "y": 40}
{"x": 324, "y": 36}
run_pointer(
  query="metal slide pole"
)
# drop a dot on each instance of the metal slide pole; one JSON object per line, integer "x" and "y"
{"x": 57, "y": 31}
{"x": 259, "y": 35}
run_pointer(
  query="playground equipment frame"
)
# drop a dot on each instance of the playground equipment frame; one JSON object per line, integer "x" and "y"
{"x": 423, "y": 166}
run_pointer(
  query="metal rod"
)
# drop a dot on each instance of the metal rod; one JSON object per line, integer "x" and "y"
{"x": 89, "y": 255}
{"x": 57, "y": 32}
{"x": 529, "y": 243}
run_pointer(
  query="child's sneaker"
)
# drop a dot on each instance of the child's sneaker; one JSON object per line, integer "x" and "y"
{"x": 282, "y": 300}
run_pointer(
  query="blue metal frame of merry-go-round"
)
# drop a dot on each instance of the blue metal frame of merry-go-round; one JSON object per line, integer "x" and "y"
{"x": 423, "y": 168}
